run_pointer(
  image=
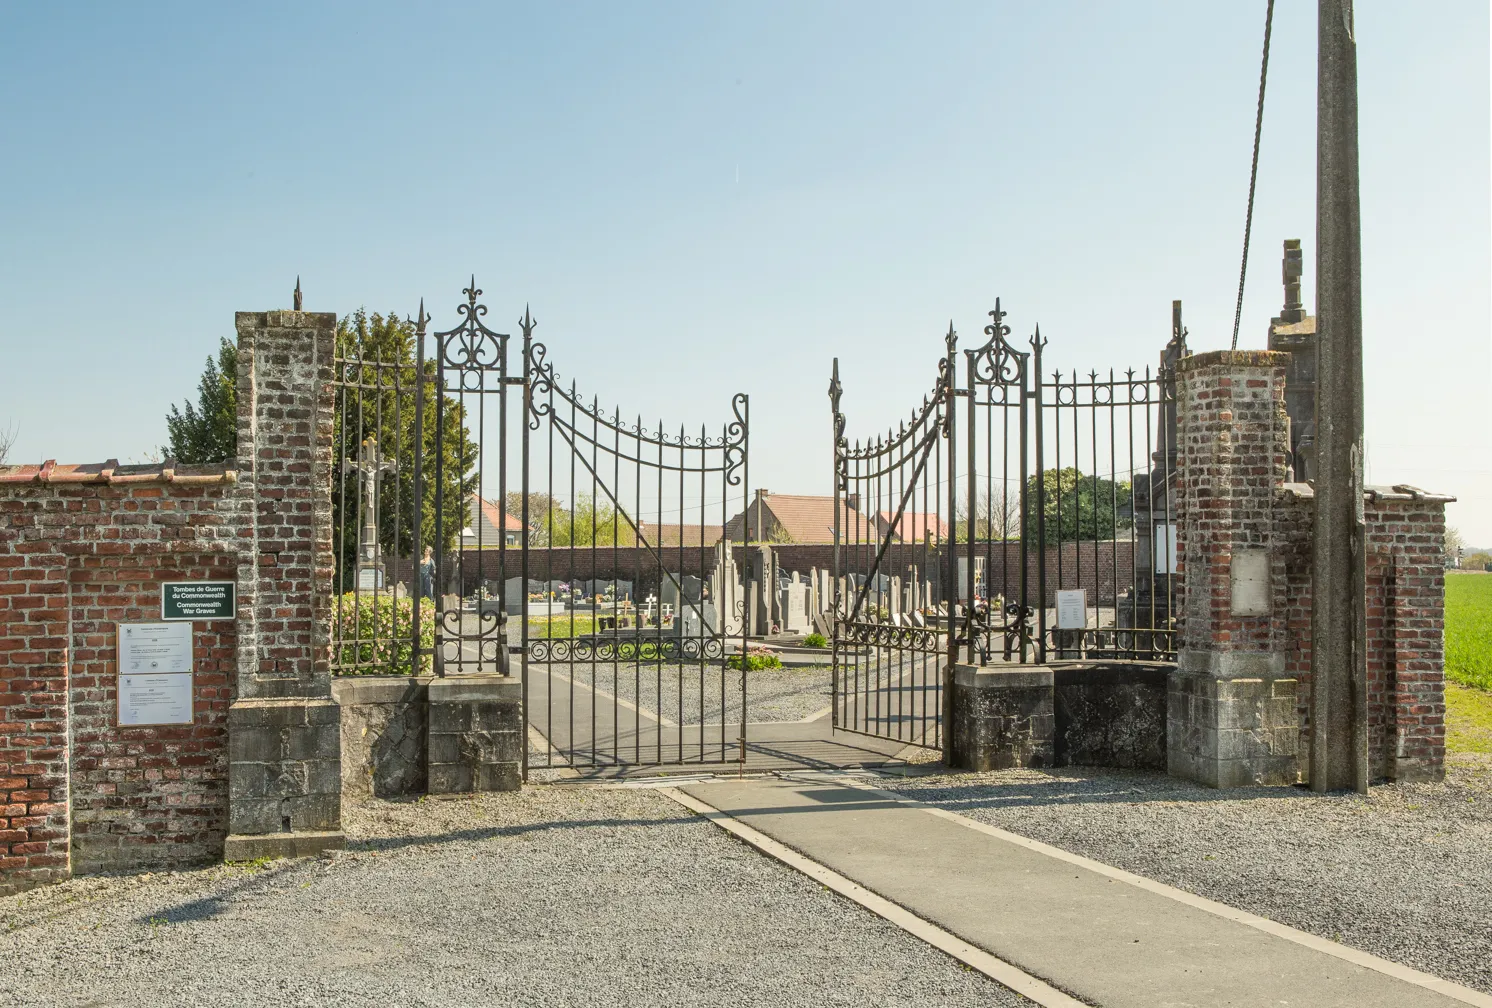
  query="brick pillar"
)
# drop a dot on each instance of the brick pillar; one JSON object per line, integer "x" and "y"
{"x": 284, "y": 772}
{"x": 1231, "y": 717}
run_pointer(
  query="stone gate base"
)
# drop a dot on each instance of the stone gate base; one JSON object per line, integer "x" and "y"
{"x": 1064, "y": 714}
{"x": 410, "y": 736}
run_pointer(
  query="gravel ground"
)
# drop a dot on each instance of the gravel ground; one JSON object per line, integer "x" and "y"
{"x": 1402, "y": 873}
{"x": 552, "y": 896}
{"x": 785, "y": 694}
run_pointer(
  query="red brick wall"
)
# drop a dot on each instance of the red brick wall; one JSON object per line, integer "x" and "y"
{"x": 75, "y": 558}
{"x": 1233, "y": 452}
{"x": 1405, "y": 618}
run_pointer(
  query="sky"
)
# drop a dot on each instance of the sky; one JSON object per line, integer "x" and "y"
{"x": 700, "y": 199}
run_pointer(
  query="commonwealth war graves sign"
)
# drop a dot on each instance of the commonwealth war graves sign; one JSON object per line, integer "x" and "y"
{"x": 198, "y": 600}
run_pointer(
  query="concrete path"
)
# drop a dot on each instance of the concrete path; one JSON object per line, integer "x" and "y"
{"x": 586, "y": 724}
{"x": 1102, "y": 935}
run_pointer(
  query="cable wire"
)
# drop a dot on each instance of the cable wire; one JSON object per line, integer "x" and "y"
{"x": 1248, "y": 221}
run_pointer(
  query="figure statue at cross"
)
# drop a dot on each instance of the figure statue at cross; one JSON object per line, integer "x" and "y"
{"x": 369, "y": 465}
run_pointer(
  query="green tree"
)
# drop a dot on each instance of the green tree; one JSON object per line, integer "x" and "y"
{"x": 588, "y": 523}
{"x": 377, "y": 399}
{"x": 1079, "y": 506}
{"x": 541, "y": 506}
{"x": 207, "y": 432}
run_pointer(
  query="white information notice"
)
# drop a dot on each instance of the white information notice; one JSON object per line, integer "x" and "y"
{"x": 155, "y": 673}
{"x": 1072, "y": 609}
{"x": 155, "y": 647}
{"x": 155, "y": 699}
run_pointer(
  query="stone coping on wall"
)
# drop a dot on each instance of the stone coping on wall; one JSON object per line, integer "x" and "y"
{"x": 1232, "y": 358}
{"x": 1371, "y": 494}
{"x": 111, "y": 473}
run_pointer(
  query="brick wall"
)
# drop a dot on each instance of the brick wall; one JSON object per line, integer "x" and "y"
{"x": 1233, "y": 452}
{"x": 82, "y": 548}
{"x": 1405, "y": 616}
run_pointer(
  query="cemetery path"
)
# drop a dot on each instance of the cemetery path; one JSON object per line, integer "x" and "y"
{"x": 584, "y": 720}
{"x": 553, "y": 896}
{"x": 1101, "y": 934}
{"x": 1401, "y": 873}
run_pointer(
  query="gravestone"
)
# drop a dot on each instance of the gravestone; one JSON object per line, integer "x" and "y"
{"x": 697, "y": 620}
{"x": 794, "y": 604}
{"x": 894, "y": 599}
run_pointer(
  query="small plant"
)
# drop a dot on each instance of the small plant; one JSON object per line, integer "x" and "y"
{"x": 756, "y": 657}
{"x": 816, "y": 640}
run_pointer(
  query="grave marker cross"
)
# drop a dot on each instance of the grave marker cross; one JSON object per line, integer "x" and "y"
{"x": 369, "y": 464}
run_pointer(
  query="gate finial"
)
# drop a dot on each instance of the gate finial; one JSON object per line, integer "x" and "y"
{"x": 835, "y": 389}
{"x": 952, "y": 338}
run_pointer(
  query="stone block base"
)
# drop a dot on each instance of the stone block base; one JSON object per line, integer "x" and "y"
{"x": 1232, "y": 732}
{"x": 476, "y": 735}
{"x": 284, "y": 766}
{"x": 385, "y": 735}
{"x": 1111, "y": 714}
{"x": 249, "y": 847}
{"x": 1002, "y": 719}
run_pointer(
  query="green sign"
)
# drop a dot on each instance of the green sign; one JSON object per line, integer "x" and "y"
{"x": 198, "y": 600}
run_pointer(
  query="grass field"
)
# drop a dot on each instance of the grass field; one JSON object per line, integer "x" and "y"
{"x": 1468, "y": 629}
{"x": 1468, "y": 719}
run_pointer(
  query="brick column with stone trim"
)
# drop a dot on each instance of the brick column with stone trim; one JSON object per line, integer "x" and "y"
{"x": 1231, "y": 717}
{"x": 284, "y": 771}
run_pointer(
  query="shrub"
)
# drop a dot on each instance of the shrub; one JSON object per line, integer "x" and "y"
{"x": 756, "y": 657}
{"x": 816, "y": 640}
{"x": 371, "y": 635}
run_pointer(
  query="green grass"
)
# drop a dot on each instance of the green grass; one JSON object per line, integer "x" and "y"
{"x": 1468, "y": 629}
{"x": 1468, "y": 719}
{"x": 563, "y": 625}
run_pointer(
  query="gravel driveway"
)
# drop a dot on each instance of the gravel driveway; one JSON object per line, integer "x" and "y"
{"x": 553, "y": 896}
{"x": 1402, "y": 873}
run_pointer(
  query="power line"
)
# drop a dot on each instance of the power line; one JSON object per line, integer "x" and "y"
{"x": 1248, "y": 220}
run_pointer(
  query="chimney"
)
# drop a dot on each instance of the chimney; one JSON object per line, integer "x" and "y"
{"x": 852, "y": 501}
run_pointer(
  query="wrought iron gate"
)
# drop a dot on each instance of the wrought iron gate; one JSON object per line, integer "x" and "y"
{"x": 488, "y": 520}
{"x": 1014, "y": 518}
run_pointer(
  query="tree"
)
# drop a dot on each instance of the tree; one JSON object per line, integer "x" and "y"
{"x": 541, "y": 506}
{"x": 7, "y": 441}
{"x": 377, "y": 400}
{"x": 997, "y": 516}
{"x": 589, "y": 523}
{"x": 1477, "y": 561}
{"x": 1454, "y": 544}
{"x": 1078, "y": 506}
{"x": 207, "y": 432}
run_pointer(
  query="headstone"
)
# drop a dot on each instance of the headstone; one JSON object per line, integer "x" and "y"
{"x": 822, "y": 624}
{"x": 795, "y": 607}
{"x": 513, "y": 593}
{"x": 895, "y": 602}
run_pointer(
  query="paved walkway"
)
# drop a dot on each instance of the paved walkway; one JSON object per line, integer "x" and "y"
{"x": 1105, "y": 936}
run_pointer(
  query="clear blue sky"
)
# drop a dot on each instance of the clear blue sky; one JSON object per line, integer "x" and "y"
{"x": 704, "y": 198}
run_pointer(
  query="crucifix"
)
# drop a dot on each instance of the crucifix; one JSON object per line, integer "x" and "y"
{"x": 368, "y": 465}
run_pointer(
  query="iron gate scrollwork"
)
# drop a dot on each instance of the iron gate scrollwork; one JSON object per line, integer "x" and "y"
{"x": 1015, "y": 518}
{"x": 488, "y": 520}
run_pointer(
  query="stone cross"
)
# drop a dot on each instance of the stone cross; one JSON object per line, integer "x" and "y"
{"x": 369, "y": 465}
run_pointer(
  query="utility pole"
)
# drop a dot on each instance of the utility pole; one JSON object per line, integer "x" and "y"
{"x": 1339, "y": 751}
